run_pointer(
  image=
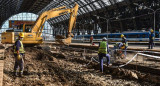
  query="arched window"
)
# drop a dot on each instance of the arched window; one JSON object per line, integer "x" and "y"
{"x": 47, "y": 32}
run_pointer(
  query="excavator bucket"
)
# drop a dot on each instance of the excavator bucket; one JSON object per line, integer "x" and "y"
{"x": 62, "y": 40}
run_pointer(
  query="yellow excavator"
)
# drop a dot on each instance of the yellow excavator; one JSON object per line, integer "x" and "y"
{"x": 32, "y": 36}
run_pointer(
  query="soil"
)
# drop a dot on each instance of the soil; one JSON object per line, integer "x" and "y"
{"x": 61, "y": 68}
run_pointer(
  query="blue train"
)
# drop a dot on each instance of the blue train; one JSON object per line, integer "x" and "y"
{"x": 133, "y": 36}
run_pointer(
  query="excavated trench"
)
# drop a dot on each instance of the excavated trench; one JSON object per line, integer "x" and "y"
{"x": 63, "y": 66}
{"x": 141, "y": 68}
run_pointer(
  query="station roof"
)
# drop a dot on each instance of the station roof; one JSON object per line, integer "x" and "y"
{"x": 87, "y": 9}
{"x": 12, "y": 7}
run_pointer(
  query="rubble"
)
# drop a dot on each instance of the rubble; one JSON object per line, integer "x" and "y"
{"x": 46, "y": 68}
{"x": 1, "y": 46}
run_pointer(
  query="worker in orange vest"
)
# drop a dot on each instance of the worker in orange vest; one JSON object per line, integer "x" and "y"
{"x": 91, "y": 40}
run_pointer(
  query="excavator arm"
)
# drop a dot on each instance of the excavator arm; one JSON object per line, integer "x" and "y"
{"x": 39, "y": 25}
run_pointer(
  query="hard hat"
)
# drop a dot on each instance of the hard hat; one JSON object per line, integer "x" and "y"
{"x": 151, "y": 30}
{"x": 104, "y": 38}
{"x": 21, "y": 34}
{"x": 122, "y": 35}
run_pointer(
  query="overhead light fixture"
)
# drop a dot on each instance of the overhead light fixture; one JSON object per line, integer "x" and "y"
{"x": 97, "y": 17}
{"x": 136, "y": 4}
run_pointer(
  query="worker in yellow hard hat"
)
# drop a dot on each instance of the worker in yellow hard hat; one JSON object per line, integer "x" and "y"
{"x": 123, "y": 39}
{"x": 19, "y": 55}
{"x": 122, "y": 35}
{"x": 151, "y": 30}
{"x": 151, "y": 39}
{"x": 125, "y": 44}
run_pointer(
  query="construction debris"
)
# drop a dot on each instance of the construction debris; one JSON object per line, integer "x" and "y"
{"x": 62, "y": 68}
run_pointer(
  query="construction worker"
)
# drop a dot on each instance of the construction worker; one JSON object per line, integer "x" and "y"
{"x": 91, "y": 40}
{"x": 118, "y": 50}
{"x": 19, "y": 55}
{"x": 125, "y": 44}
{"x": 151, "y": 39}
{"x": 118, "y": 45}
{"x": 103, "y": 52}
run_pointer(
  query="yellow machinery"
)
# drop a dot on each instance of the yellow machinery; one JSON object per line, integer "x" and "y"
{"x": 33, "y": 35}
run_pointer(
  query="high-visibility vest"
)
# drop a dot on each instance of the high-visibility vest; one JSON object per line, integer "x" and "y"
{"x": 103, "y": 47}
{"x": 21, "y": 49}
{"x": 117, "y": 45}
{"x": 124, "y": 41}
{"x": 126, "y": 44}
{"x": 151, "y": 37}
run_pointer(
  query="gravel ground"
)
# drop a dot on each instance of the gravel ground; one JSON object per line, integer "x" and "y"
{"x": 45, "y": 68}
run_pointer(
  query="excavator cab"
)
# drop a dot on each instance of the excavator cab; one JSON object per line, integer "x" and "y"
{"x": 21, "y": 28}
{"x": 27, "y": 28}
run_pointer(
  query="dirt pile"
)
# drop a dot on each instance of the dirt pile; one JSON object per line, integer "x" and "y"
{"x": 46, "y": 68}
{"x": 36, "y": 70}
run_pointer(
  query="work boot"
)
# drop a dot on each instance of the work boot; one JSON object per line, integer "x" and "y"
{"x": 15, "y": 73}
{"x": 21, "y": 74}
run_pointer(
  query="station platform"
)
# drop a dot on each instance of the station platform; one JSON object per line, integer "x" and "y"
{"x": 130, "y": 47}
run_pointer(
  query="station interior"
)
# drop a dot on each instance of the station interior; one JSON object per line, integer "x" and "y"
{"x": 79, "y": 43}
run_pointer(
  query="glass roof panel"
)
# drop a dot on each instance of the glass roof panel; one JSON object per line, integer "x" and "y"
{"x": 106, "y": 2}
{"x": 89, "y": 8}
{"x": 85, "y": 9}
{"x": 83, "y": 2}
{"x": 82, "y": 10}
{"x": 101, "y": 3}
{"x": 97, "y": 5}
{"x": 120, "y": 0}
{"x": 79, "y": 2}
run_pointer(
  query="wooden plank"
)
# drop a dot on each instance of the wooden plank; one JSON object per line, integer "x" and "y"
{"x": 1, "y": 72}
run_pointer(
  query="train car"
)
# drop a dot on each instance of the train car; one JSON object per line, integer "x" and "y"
{"x": 132, "y": 36}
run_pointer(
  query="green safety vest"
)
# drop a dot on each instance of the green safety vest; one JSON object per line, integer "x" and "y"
{"x": 103, "y": 47}
{"x": 126, "y": 44}
{"x": 21, "y": 49}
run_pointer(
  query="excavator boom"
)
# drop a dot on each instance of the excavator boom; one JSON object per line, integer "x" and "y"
{"x": 55, "y": 13}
